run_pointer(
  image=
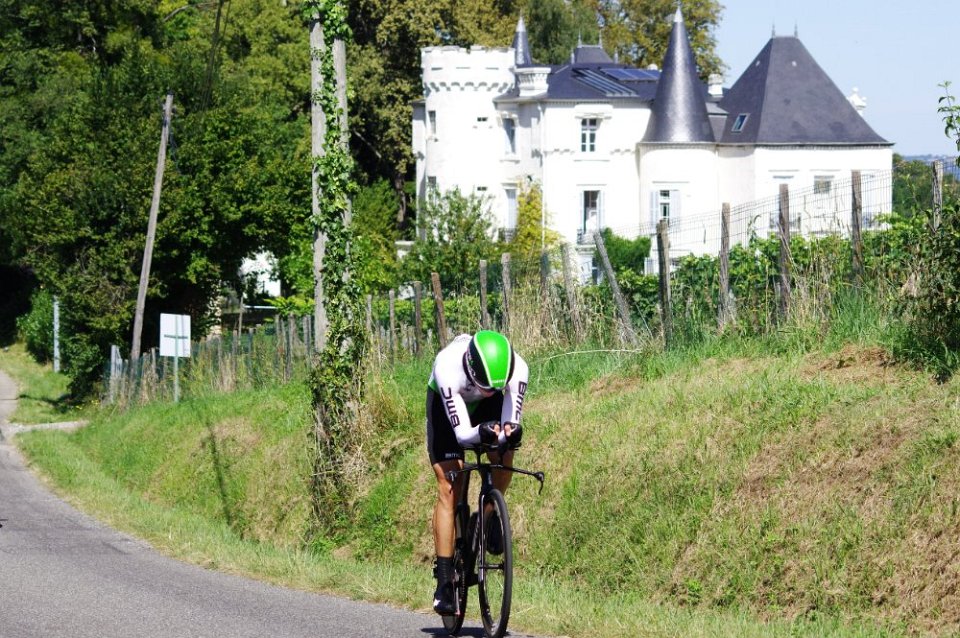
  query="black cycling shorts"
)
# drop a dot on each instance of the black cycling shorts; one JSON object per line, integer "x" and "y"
{"x": 442, "y": 444}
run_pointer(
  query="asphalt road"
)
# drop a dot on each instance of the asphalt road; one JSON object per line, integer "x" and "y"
{"x": 64, "y": 574}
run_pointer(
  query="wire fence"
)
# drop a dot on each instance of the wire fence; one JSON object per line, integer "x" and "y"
{"x": 752, "y": 263}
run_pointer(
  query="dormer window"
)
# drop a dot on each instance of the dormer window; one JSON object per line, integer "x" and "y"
{"x": 588, "y": 134}
{"x": 739, "y": 122}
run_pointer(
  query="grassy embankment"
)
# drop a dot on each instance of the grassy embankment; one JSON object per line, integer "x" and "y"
{"x": 42, "y": 394}
{"x": 778, "y": 487}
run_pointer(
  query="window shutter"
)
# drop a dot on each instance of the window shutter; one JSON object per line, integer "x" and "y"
{"x": 601, "y": 213}
{"x": 675, "y": 211}
{"x": 654, "y": 211}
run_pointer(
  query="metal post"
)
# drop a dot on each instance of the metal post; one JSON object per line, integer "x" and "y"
{"x": 56, "y": 334}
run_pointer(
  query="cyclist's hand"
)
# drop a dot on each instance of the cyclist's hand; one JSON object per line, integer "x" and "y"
{"x": 489, "y": 432}
{"x": 514, "y": 434}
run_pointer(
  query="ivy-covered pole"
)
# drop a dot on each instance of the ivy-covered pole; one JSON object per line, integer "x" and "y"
{"x": 340, "y": 339}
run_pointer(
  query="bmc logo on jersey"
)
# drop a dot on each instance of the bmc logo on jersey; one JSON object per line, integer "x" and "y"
{"x": 450, "y": 406}
{"x": 520, "y": 392}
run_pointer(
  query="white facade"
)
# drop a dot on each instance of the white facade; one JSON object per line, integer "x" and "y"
{"x": 589, "y": 156}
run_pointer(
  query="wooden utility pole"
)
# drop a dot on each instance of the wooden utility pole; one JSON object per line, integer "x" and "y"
{"x": 318, "y": 131}
{"x": 151, "y": 229}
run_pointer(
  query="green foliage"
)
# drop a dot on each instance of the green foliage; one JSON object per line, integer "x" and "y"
{"x": 933, "y": 335}
{"x": 913, "y": 186}
{"x": 79, "y": 126}
{"x": 555, "y": 26}
{"x": 639, "y": 30}
{"x": 533, "y": 234}
{"x": 36, "y": 327}
{"x": 935, "y": 321}
{"x": 626, "y": 253}
{"x": 374, "y": 218}
{"x": 296, "y": 306}
{"x": 455, "y": 234}
{"x": 950, "y": 111}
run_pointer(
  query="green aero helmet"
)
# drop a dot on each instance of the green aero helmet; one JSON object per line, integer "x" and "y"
{"x": 489, "y": 360}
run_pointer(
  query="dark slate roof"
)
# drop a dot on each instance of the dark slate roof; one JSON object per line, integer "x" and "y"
{"x": 521, "y": 45}
{"x": 596, "y": 82}
{"x": 788, "y": 99}
{"x": 679, "y": 113}
{"x": 590, "y": 54}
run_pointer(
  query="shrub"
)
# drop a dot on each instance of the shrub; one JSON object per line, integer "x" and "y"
{"x": 36, "y": 327}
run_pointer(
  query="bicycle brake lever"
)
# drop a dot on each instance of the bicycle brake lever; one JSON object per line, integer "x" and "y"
{"x": 539, "y": 477}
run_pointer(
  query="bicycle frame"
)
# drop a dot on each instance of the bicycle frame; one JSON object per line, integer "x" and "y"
{"x": 462, "y": 510}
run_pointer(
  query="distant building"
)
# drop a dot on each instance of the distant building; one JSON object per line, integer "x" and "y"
{"x": 620, "y": 147}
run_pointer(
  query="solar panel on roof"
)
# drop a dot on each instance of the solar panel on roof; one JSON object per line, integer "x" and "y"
{"x": 604, "y": 84}
{"x": 633, "y": 75}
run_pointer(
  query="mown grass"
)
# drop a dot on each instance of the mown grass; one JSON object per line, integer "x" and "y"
{"x": 43, "y": 394}
{"x": 797, "y": 484}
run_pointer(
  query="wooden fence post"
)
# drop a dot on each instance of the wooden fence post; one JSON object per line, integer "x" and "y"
{"x": 291, "y": 326}
{"x": 484, "y": 313}
{"x": 505, "y": 274}
{"x": 393, "y": 326}
{"x": 663, "y": 259}
{"x": 370, "y": 315}
{"x": 937, "y": 193}
{"x": 438, "y": 304}
{"x": 785, "y": 258}
{"x": 571, "y": 293}
{"x": 856, "y": 217}
{"x": 544, "y": 289}
{"x": 417, "y": 317}
{"x": 725, "y": 309}
{"x": 621, "y": 303}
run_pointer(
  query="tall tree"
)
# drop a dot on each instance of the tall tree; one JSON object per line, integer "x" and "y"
{"x": 638, "y": 31}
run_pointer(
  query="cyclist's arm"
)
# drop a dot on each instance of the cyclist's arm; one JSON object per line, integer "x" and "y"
{"x": 456, "y": 408}
{"x": 514, "y": 392}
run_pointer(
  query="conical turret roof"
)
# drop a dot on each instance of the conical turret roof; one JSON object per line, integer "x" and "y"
{"x": 521, "y": 45}
{"x": 679, "y": 113}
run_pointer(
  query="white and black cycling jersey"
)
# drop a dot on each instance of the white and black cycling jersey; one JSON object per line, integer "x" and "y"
{"x": 459, "y": 395}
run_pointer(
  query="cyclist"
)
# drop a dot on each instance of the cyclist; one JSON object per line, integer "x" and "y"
{"x": 476, "y": 379}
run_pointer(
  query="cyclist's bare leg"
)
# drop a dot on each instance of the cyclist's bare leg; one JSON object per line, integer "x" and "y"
{"x": 502, "y": 478}
{"x": 443, "y": 527}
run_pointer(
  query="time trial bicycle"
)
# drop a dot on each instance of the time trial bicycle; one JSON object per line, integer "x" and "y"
{"x": 483, "y": 547}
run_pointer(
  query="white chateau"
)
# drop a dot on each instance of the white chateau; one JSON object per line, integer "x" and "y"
{"x": 620, "y": 147}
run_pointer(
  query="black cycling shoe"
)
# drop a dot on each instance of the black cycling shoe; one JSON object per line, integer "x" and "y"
{"x": 443, "y": 601}
{"x": 494, "y": 535}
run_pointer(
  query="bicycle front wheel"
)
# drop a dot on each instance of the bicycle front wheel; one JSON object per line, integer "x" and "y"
{"x": 495, "y": 569}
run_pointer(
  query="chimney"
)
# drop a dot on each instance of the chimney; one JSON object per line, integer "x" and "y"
{"x": 715, "y": 86}
{"x": 857, "y": 101}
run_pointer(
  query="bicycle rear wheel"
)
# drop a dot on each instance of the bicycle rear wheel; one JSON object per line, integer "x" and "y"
{"x": 495, "y": 570}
